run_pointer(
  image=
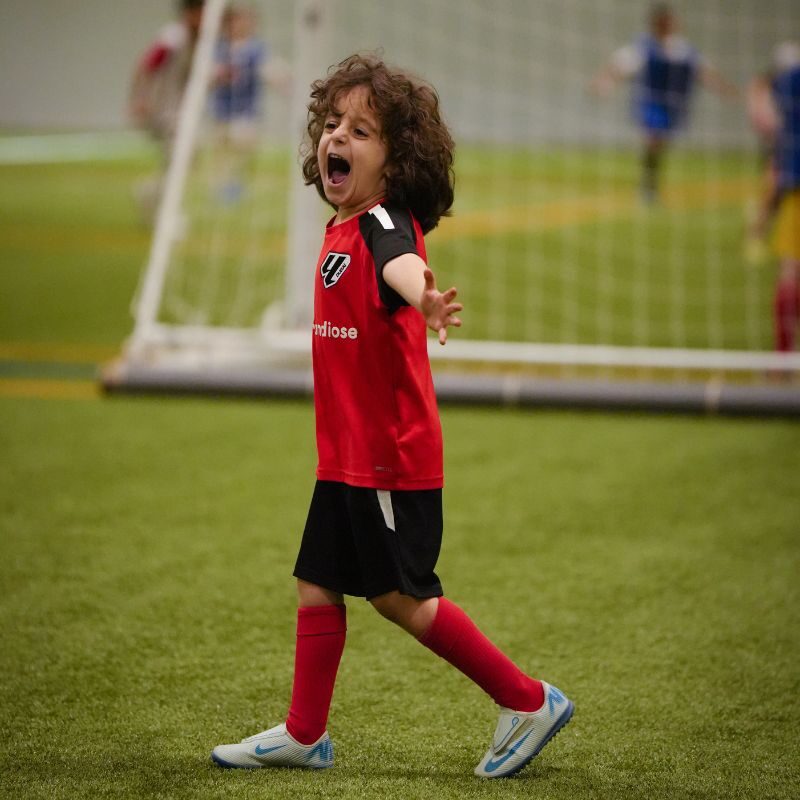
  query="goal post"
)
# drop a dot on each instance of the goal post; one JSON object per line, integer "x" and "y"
{"x": 312, "y": 28}
{"x": 564, "y": 271}
{"x": 169, "y": 220}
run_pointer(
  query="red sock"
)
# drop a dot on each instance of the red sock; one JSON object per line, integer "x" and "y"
{"x": 320, "y": 641}
{"x": 455, "y": 637}
{"x": 787, "y": 310}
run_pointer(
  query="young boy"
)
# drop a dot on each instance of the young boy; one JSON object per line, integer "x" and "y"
{"x": 382, "y": 157}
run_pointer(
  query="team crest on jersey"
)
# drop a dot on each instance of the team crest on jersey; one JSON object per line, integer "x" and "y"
{"x": 333, "y": 267}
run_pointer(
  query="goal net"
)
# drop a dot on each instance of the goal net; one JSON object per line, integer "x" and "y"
{"x": 566, "y": 263}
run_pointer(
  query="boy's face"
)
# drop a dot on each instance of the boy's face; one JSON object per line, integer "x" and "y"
{"x": 242, "y": 24}
{"x": 664, "y": 25}
{"x": 352, "y": 155}
{"x": 193, "y": 17}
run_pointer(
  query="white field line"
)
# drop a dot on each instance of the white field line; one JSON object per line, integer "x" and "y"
{"x": 53, "y": 148}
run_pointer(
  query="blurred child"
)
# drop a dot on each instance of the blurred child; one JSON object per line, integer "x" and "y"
{"x": 765, "y": 120}
{"x": 157, "y": 87}
{"x": 237, "y": 100}
{"x": 786, "y": 96}
{"x": 382, "y": 158}
{"x": 664, "y": 68}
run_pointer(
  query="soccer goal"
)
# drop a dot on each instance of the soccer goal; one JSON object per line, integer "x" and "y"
{"x": 577, "y": 286}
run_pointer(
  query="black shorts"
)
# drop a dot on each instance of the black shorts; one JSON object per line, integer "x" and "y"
{"x": 367, "y": 542}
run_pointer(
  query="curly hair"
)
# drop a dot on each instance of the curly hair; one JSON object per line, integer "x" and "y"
{"x": 420, "y": 147}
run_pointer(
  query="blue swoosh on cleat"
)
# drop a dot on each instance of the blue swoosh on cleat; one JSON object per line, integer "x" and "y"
{"x": 491, "y": 766}
{"x": 260, "y": 751}
{"x": 325, "y": 750}
{"x": 554, "y": 698}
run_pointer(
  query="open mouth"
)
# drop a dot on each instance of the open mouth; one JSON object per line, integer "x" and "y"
{"x": 338, "y": 169}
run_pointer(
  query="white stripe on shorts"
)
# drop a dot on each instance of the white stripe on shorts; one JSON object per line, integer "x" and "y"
{"x": 385, "y": 499}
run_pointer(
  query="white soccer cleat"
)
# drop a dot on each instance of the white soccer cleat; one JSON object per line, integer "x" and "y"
{"x": 275, "y": 748}
{"x": 520, "y": 735}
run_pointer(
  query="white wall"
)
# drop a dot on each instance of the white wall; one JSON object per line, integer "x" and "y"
{"x": 509, "y": 70}
{"x": 67, "y": 63}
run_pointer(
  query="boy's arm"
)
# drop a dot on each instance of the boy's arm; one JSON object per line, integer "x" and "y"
{"x": 761, "y": 109}
{"x": 410, "y": 277}
{"x": 277, "y": 74}
{"x": 140, "y": 104}
{"x": 713, "y": 80}
{"x": 138, "y": 108}
{"x": 623, "y": 64}
{"x": 606, "y": 78}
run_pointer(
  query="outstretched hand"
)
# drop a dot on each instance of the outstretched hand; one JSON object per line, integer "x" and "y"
{"x": 438, "y": 308}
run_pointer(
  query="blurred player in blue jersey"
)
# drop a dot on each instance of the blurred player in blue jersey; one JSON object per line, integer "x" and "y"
{"x": 765, "y": 119}
{"x": 664, "y": 68}
{"x": 243, "y": 66}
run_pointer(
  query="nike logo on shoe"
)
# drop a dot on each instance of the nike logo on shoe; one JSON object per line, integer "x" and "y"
{"x": 260, "y": 751}
{"x": 554, "y": 697}
{"x": 493, "y": 764}
{"x": 525, "y": 739}
{"x": 324, "y": 749}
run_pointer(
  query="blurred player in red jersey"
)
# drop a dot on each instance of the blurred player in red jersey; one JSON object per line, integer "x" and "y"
{"x": 381, "y": 155}
{"x": 157, "y": 86}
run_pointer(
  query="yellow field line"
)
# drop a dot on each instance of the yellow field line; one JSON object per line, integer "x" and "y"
{"x": 73, "y": 238}
{"x": 546, "y": 215}
{"x": 553, "y": 214}
{"x": 57, "y": 352}
{"x": 49, "y": 389}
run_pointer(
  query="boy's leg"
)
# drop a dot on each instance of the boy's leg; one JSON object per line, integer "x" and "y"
{"x": 444, "y": 628}
{"x": 651, "y": 162}
{"x": 321, "y": 631}
{"x": 787, "y": 308}
{"x": 531, "y": 712}
{"x": 302, "y": 741}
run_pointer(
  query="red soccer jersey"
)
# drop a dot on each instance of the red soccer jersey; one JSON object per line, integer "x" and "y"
{"x": 377, "y": 421}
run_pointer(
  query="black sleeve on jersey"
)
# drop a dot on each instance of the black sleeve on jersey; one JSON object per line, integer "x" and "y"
{"x": 385, "y": 244}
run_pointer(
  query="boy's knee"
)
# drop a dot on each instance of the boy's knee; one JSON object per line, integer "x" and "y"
{"x": 411, "y": 614}
{"x": 389, "y": 606}
{"x": 309, "y": 594}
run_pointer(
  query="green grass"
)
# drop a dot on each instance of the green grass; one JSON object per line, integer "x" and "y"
{"x": 648, "y": 566}
{"x": 72, "y": 250}
{"x": 668, "y": 276}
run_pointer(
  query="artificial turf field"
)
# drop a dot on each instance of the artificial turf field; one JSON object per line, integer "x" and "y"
{"x": 544, "y": 247}
{"x": 646, "y": 565}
